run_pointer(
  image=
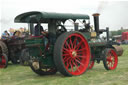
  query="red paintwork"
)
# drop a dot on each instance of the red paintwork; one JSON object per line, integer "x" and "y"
{"x": 124, "y": 35}
{"x": 76, "y": 54}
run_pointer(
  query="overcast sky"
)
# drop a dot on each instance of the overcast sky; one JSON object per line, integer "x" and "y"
{"x": 114, "y": 14}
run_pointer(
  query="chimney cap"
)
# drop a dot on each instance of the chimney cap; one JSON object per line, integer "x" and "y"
{"x": 96, "y": 14}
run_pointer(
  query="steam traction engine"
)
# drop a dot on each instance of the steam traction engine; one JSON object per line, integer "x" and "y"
{"x": 10, "y": 50}
{"x": 69, "y": 52}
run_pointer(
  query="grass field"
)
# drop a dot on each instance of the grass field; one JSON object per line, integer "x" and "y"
{"x": 20, "y": 75}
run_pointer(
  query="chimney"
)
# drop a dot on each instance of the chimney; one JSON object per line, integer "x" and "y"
{"x": 96, "y": 22}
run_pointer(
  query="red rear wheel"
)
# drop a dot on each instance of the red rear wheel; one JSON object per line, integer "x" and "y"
{"x": 111, "y": 59}
{"x": 72, "y": 54}
{"x": 3, "y": 61}
{"x": 91, "y": 64}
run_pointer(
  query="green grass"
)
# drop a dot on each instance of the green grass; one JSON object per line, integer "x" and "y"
{"x": 20, "y": 75}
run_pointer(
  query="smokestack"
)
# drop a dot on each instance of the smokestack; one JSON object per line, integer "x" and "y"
{"x": 96, "y": 22}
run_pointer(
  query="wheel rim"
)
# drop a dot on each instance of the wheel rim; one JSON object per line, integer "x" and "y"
{"x": 112, "y": 59}
{"x": 3, "y": 62}
{"x": 76, "y": 54}
{"x": 91, "y": 64}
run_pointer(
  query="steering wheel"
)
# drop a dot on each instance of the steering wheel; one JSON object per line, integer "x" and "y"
{"x": 60, "y": 29}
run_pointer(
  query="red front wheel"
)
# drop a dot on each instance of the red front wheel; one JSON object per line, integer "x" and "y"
{"x": 110, "y": 60}
{"x": 71, "y": 54}
{"x": 3, "y": 61}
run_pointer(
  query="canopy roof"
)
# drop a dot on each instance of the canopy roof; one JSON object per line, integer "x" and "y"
{"x": 36, "y": 16}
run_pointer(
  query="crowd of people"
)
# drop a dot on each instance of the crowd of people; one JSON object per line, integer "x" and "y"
{"x": 13, "y": 33}
{"x": 22, "y": 32}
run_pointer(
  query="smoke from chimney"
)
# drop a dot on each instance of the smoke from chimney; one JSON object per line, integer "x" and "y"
{"x": 102, "y": 5}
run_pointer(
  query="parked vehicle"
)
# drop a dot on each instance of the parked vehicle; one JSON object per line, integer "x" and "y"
{"x": 124, "y": 38}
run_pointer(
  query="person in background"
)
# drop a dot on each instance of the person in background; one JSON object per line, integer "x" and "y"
{"x": 5, "y": 35}
{"x": 17, "y": 34}
{"x": 11, "y": 32}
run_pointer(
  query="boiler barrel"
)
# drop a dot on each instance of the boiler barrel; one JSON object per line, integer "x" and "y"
{"x": 119, "y": 50}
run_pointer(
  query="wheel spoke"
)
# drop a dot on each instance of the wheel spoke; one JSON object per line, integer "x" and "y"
{"x": 76, "y": 66}
{"x": 78, "y": 45}
{"x": 67, "y": 45}
{"x": 78, "y": 58}
{"x": 112, "y": 63}
{"x": 65, "y": 54}
{"x": 71, "y": 66}
{"x": 81, "y": 56}
{"x": 65, "y": 50}
{"x": 67, "y": 59}
{"x": 74, "y": 42}
{"x": 108, "y": 63}
{"x": 67, "y": 65}
{"x": 79, "y": 62}
{"x": 79, "y": 53}
{"x": 71, "y": 42}
{"x": 83, "y": 49}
